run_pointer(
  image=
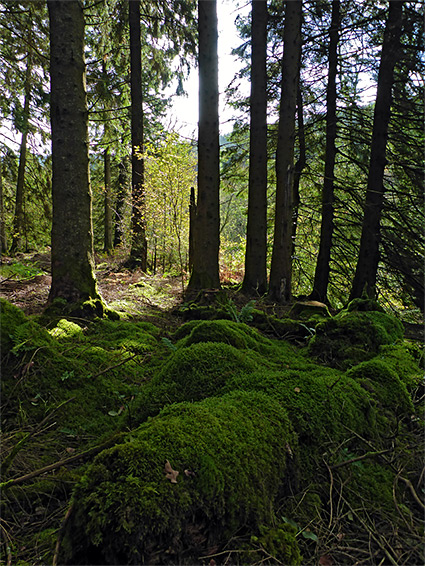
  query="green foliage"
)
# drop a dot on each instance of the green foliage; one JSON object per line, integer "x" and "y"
{"x": 11, "y": 318}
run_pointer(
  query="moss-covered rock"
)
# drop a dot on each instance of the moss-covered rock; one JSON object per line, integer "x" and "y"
{"x": 230, "y": 453}
{"x": 190, "y": 374}
{"x": 352, "y": 337}
{"x": 380, "y": 379}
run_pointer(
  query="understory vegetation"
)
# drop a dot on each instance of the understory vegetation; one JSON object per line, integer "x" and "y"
{"x": 219, "y": 432}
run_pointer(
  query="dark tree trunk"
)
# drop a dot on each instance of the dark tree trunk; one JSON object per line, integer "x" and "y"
{"x": 19, "y": 217}
{"x": 321, "y": 276}
{"x": 367, "y": 264}
{"x": 281, "y": 264}
{"x": 205, "y": 272}
{"x": 192, "y": 216}
{"x": 108, "y": 230}
{"x": 72, "y": 233}
{"x": 122, "y": 192}
{"x": 299, "y": 165}
{"x": 3, "y": 237}
{"x": 255, "y": 279}
{"x": 138, "y": 255}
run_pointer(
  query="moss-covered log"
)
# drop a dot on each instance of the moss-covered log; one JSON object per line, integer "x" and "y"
{"x": 230, "y": 453}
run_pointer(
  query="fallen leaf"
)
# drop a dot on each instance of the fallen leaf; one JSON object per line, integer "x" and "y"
{"x": 170, "y": 474}
{"x": 325, "y": 560}
{"x": 297, "y": 389}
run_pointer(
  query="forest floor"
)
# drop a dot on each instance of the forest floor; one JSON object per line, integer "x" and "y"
{"x": 46, "y": 372}
{"x": 25, "y": 282}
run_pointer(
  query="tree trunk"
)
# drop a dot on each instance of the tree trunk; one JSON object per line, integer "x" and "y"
{"x": 367, "y": 264}
{"x": 19, "y": 217}
{"x": 205, "y": 273}
{"x": 299, "y": 165}
{"x": 255, "y": 279}
{"x": 3, "y": 237}
{"x": 108, "y": 236}
{"x": 321, "y": 276}
{"x": 281, "y": 264}
{"x": 72, "y": 233}
{"x": 121, "y": 198}
{"x": 138, "y": 255}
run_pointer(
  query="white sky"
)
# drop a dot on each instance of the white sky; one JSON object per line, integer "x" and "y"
{"x": 183, "y": 116}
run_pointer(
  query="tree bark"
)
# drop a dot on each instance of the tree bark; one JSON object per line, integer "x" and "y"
{"x": 364, "y": 282}
{"x": 108, "y": 232}
{"x": 123, "y": 186}
{"x": 281, "y": 263}
{"x": 321, "y": 276}
{"x": 72, "y": 233}
{"x": 3, "y": 237}
{"x": 255, "y": 279}
{"x": 19, "y": 217}
{"x": 138, "y": 255}
{"x": 205, "y": 272}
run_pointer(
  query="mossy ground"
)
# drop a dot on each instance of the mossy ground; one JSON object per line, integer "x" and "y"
{"x": 300, "y": 439}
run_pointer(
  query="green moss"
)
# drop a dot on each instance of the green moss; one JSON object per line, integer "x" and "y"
{"x": 235, "y": 334}
{"x": 353, "y": 337}
{"x": 402, "y": 358}
{"x": 10, "y": 318}
{"x": 364, "y": 305}
{"x": 191, "y": 374}
{"x": 280, "y": 542}
{"x": 126, "y": 511}
{"x": 380, "y": 379}
{"x": 65, "y": 329}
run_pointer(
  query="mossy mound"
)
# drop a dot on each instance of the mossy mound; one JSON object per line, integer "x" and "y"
{"x": 190, "y": 374}
{"x": 126, "y": 511}
{"x": 236, "y": 334}
{"x": 89, "y": 371}
{"x": 380, "y": 379}
{"x": 352, "y": 337}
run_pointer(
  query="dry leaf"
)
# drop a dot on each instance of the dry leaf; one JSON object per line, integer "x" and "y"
{"x": 325, "y": 560}
{"x": 297, "y": 389}
{"x": 189, "y": 473}
{"x": 170, "y": 474}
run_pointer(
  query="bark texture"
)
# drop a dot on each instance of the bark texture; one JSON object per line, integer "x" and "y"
{"x": 255, "y": 279}
{"x": 138, "y": 220}
{"x": 72, "y": 233}
{"x": 367, "y": 264}
{"x": 321, "y": 275}
{"x": 205, "y": 272}
{"x": 281, "y": 264}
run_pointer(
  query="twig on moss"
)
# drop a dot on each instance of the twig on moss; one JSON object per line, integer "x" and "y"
{"x": 122, "y": 362}
{"x": 56, "y": 465}
{"x": 412, "y": 490}
{"x": 60, "y": 535}
{"x": 358, "y": 458}
{"x": 8, "y": 544}
{"x": 330, "y": 493}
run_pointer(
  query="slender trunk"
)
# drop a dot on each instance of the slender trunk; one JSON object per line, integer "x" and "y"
{"x": 192, "y": 216}
{"x": 299, "y": 165}
{"x": 19, "y": 217}
{"x": 205, "y": 273}
{"x": 367, "y": 264}
{"x": 108, "y": 236}
{"x": 3, "y": 237}
{"x": 321, "y": 276}
{"x": 138, "y": 220}
{"x": 281, "y": 263}
{"x": 72, "y": 232}
{"x": 121, "y": 198}
{"x": 255, "y": 279}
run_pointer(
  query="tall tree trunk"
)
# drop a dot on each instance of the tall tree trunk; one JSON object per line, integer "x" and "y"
{"x": 255, "y": 279}
{"x": 3, "y": 237}
{"x": 121, "y": 198}
{"x": 138, "y": 255}
{"x": 108, "y": 232}
{"x": 367, "y": 264}
{"x": 321, "y": 276}
{"x": 205, "y": 273}
{"x": 19, "y": 217}
{"x": 299, "y": 165}
{"x": 72, "y": 232}
{"x": 281, "y": 264}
